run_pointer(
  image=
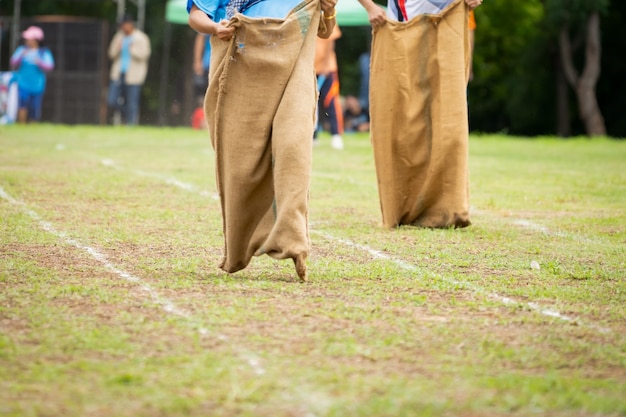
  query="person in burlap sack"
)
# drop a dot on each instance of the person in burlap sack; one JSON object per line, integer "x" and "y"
{"x": 418, "y": 109}
{"x": 260, "y": 109}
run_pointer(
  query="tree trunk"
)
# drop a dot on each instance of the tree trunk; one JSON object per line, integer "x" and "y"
{"x": 584, "y": 85}
{"x": 563, "y": 126}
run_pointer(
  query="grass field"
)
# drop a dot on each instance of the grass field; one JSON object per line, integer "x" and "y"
{"x": 111, "y": 302}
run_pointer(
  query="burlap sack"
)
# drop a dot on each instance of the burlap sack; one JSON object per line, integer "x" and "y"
{"x": 419, "y": 126}
{"x": 260, "y": 108}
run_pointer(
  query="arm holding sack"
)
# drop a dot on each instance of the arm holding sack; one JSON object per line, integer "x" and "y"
{"x": 201, "y": 22}
{"x": 329, "y": 18}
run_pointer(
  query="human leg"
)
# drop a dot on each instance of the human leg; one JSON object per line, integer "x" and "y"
{"x": 329, "y": 94}
{"x": 29, "y": 106}
{"x": 320, "y": 78}
{"x": 23, "y": 101}
{"x": 22, "y": 116}
{"x": 132, "y": 104}
{"x": 333, "y": 105}
{"x": 114, "y": 99}
{"x": 34, "y": 107}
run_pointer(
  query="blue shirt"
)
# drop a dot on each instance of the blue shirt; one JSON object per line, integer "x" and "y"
{"x": 273, "y": 9}
{"x": 206, "y": 56}
{"x": 403, "y": 11}
{"x": 31, "y": 76}
{"x": 125, "y": 54}
{"x": 216, "y": 9}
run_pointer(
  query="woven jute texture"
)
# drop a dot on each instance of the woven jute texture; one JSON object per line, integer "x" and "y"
{"x": 419, "y": 119}
{"x": 260, "y": 109}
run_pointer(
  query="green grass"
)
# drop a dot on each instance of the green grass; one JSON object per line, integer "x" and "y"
{"x": 404, "y": 322}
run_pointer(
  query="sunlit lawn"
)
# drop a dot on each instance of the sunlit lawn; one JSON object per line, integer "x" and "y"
{"x": 111, "y": 302}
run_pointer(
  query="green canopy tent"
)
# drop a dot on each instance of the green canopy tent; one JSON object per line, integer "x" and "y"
{"x": 349, "y": 13}
{"x": 176, "y": 11}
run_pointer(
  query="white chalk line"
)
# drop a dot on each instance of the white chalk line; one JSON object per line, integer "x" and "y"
{"x": 536, "y": 227}
{"x": 524, "y": 223}
{"x": 167, "y": 305}
{"x": 412, "y": 268}
{"x": 402, "y": 264}
{"x": 168, "y": 180}
{"x": 540, "y": 228}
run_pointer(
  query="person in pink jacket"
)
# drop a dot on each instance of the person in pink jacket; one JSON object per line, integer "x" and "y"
{"x": 31, "y": 62}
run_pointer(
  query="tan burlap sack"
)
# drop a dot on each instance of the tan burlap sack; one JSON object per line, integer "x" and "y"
{"x": 260, "y": 108}
{"x": 419, "y": 125}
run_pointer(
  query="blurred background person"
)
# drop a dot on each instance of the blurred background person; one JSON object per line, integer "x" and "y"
{"x": 364, "y": 73}
{"x": 31, "y": 62}
{"x": 472, "y": 34}
{"x": 130, "y": 51}
{"x": 326, "y": 70}
{"x": 355, "y": 117}
{"x": 201, "y": 63}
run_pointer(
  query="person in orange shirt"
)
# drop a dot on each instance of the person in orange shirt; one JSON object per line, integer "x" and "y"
{"x": 472, "y": 28}
{"x": 326, "y": 71}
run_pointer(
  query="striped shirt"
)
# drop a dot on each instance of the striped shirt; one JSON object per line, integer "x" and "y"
{"x": 405, "y": 10}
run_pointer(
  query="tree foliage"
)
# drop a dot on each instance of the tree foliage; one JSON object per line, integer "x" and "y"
{"x": 573, "y": 12}
{"x": 516, "y": 59}
{"x": 517, "y": 64}
{"x": 89, "y": 8}
{"x": 506, "y": 79}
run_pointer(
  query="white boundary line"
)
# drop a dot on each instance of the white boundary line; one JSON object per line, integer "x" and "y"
{"x": 409, "y": 267}
{"x": 167, "y": 305}
{"x": 464, "y": 284}
{"x": 536, "y": 227}
{"x": 168, "y": 180}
